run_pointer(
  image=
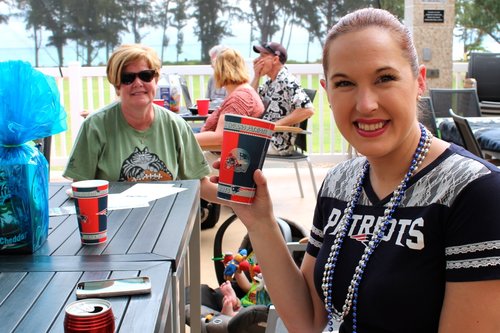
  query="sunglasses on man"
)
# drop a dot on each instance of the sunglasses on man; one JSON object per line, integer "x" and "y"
{"x": 146, "y": 76}
{"x": 268, "y": 47}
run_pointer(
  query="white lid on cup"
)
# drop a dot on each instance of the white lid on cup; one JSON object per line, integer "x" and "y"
{"x": 90, "y": 183}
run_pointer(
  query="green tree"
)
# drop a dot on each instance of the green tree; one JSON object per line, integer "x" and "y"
{"x": 99, "y": 24}
{"x": 162, "y": 20}
{"x": 179, "y": 21}
{"x": 397, "y": 7}
{"x": 94, "y": 25}
{"x": 309, "y": 19}
{"x": 266, "y": 14}
{"x": 330, "y": 11}
{"x": 54, "y": 17}
{"x": 212, "y": 24}
{"x": 297, "y": 13}
{"x": 114, "y": 25}
{"x": 476, "y": 19}
{"x": 48, "y": 14}
{"x": 3, "y": 17}
{"x": 288, "y": 22}
{"x": 138, "y": 13}
{"x": 32, "y": 22}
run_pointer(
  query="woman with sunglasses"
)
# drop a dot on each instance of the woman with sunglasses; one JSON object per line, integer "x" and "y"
{"x": 134, "y": 139}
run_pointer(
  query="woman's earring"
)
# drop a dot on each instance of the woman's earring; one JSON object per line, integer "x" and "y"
{"x": 419, "y": 97}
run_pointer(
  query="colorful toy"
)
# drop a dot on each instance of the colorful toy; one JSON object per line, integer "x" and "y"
{"x": 234, "y": 265}
{"x": 241, "y": 262}
{"x": 257, "y": 293}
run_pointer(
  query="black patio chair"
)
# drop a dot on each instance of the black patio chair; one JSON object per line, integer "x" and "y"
{"x": 464, "y": 102}
{"x": 465, "y": 131}
{"x": 469, "y": 140}
{"x": 485, "y": 69}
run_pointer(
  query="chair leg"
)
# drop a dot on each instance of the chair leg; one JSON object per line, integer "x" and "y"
{"x": 298, "y": 179}
{"x": 313, "y": 180}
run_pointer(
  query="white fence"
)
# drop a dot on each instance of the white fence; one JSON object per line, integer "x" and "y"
{"x": 86, "y": 88}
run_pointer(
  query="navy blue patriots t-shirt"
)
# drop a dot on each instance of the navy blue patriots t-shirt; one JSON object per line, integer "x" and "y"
{"x": 446, "y": 229}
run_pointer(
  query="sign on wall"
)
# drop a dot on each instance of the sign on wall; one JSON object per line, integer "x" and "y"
{"x": 433, "y": 15}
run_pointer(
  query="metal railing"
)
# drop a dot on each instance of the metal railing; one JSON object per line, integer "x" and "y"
{"x": 86, "y": 88}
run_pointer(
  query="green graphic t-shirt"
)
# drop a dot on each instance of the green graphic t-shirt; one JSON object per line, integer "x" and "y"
{"x": 107, "y": 147}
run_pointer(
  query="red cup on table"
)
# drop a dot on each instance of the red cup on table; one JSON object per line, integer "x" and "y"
{"x": 244, "y": 146}
{"x": 202, "y": 105}
{"x": 159, "y": 102}
{"x": 91, "y": 203}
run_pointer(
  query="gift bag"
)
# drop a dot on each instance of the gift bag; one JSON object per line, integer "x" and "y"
{"x": 29, "y": 110}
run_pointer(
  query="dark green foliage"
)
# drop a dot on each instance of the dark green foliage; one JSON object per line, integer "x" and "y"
{"x": 477, "y": 19}
{"x": 98, "y": 24}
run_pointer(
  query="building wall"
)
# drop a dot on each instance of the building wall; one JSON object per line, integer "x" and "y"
{"x": 431, "y": 23}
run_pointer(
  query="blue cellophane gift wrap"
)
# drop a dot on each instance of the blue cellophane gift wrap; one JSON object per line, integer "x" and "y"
{"x": 30, "y": 109}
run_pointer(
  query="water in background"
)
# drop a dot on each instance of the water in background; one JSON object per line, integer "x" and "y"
{"x": 16, "y": 44}
{"x": 48, "y": 55}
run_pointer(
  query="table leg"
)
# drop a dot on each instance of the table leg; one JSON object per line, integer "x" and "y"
{"x": 182, "y": 300}
{"x": 195, "y": 275}
{"x": 189, "y": 273}
{"x": 176, "y": 303}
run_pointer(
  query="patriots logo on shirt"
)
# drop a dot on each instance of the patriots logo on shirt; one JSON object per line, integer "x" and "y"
{"x": 363, "y": 238}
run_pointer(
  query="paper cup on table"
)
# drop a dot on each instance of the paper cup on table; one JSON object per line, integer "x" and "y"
{"x": 91, "y": 203}
{"x": 159, "y": 102}
{"x": 244, "y": 147}
{"x": 202, "y": 106}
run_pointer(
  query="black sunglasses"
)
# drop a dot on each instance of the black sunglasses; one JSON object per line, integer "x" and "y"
{"x": 268, "y": 47}
{"x": 146, "y": 76}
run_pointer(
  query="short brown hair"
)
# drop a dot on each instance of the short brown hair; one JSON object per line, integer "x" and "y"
{"x": 230, "y": 68}
{"x": 127, "y": 54}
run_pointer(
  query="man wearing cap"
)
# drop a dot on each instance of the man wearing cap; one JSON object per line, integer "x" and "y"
{"x": 285, "y": 102}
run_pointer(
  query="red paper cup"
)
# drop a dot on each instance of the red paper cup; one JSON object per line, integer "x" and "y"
{"x": 159, "y": 102}
{"x": 244, "y": 147}
{"x": 202, "y": 105}
{"x": 91, "y": 203}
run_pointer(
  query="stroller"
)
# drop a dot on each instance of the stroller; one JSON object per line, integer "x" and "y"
{"x": 250, "y": 319}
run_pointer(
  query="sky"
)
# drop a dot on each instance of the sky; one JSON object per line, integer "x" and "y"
{"x": 15, "y": 43}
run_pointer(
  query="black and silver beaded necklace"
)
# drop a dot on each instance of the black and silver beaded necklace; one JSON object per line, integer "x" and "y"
{"x": 378, "y": 233}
